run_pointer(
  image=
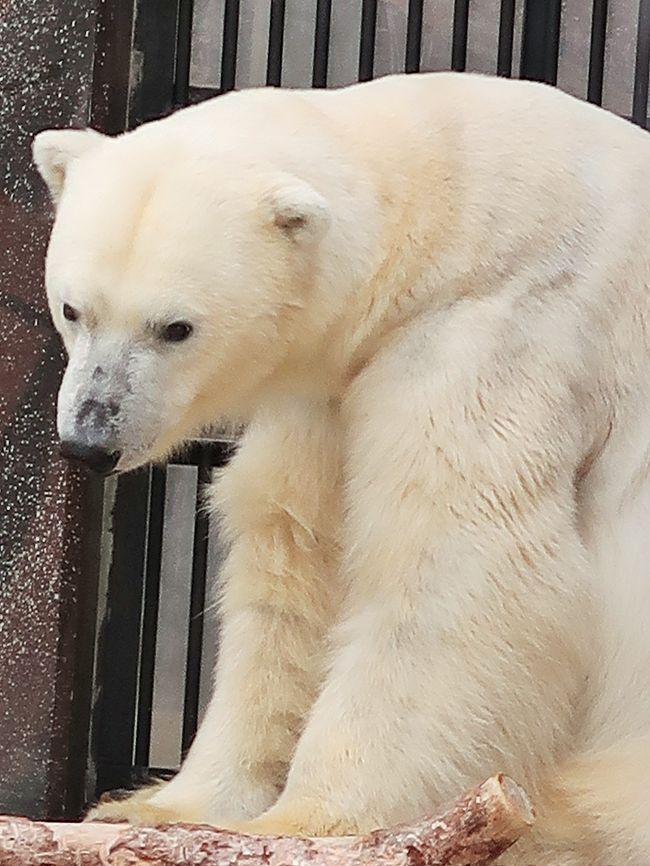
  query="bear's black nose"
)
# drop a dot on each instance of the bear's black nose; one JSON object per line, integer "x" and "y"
{"x": 100, "y": 460}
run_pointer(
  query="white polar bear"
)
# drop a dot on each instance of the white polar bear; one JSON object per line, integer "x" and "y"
{"x": 428, "y": 297}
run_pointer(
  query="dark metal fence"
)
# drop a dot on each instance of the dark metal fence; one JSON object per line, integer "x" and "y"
{"x": 135, "y": 519}
{"x": 129, "y": 635}
{"x": 163, "y": 45}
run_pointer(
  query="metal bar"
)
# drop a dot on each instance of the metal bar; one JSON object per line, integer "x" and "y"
{"x": 276, "y": 44}
{"x": 78, "y": 785}
{"x": 197, "y": 604}
{"x": 113, "y": 735}
{"x": 533, "y": 41}
{"x": 506, "y": 36}
{"x": 183, "y": 52}
{"x": 112, "y": 66}
{"x": 597, "y": 51}
{"x": 642, "y": 66}
{"x": 230, "y": 38}
{"x": 367, "y": 40}
{"x": 322, "y": 43}
{"x": 414, "y": 36}
{"x": 459, "y": 37}
{"x": 553, "y": 40}
{"x": 154, "y": 46}
{"x": 540, "y": 40}
{"x": 149, "y": 626}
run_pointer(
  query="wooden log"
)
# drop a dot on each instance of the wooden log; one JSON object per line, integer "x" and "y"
{"x": 473, "y": 831}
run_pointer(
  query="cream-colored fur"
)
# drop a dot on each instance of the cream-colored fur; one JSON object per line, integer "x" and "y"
{"x": 428, "y": 297}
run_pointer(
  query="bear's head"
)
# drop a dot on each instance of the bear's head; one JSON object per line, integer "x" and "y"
{"x": 181, "y": 284}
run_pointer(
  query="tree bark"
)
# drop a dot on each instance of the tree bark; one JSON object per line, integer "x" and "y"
{"x": 472, "y": 831}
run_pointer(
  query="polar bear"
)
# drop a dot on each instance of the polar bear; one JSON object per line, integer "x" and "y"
{"x": 427, "y": 299}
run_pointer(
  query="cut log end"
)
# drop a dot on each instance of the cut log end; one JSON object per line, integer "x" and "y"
{"x": 516, "y": 799}
{"x": 472, "y": 831}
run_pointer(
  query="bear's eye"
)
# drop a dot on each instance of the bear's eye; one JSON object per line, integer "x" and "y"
{"x": 70, "y": 313}
{"x": 176, "y": 332}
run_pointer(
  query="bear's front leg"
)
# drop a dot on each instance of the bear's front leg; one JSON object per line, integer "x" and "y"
{"x": 465, "y": 632}
{"x": 279, "y": 498}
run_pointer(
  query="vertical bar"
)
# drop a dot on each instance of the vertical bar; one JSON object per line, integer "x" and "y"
{"x": 533, "y": 40}
{"x": 459, "y": 37}
{"x": 642, "y": 66}
{"x": 597, "y": 51}
{"x": 183, "y": 52}
{"x": 541, "y": 40}
{"x": 197, "y": 604}
{"x": 78, "y": 773}
{"x": 111, "y": 66}
{"x": 149, "y": 627}
{"x": 276, "y": 44}
{"x": 506, "y": 35}
{"x": 155, "y": 32}
{"x": 367, "y": 40}
{"x": 553, "y": 40}
{"x": 230, "y": 38}
{"x": 322, "y": 42}
{"x": 414, "y": 36}
{"x": 113, "y": 736}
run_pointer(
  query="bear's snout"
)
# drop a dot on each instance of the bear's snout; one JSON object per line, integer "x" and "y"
{"x": 100, "y": 460}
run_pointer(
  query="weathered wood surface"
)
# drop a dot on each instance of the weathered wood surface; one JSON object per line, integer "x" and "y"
{"x": 473, "y": 831}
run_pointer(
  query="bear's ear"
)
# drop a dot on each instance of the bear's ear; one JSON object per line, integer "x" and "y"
{"x": 55, "y": 149}
{"x": 298, "y": 210}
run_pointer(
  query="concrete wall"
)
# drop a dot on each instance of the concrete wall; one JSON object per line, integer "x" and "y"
{"x": 46, "y": 66}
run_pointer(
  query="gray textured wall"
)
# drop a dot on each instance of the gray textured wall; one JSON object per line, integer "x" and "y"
{"x": 45, "y": 80}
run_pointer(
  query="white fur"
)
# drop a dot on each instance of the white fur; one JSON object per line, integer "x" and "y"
{"x": 56, "y": 150}
{"x": 428, "y": 297}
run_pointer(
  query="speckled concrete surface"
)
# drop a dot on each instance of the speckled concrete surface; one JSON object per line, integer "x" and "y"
{"x": 45, "y": 74}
